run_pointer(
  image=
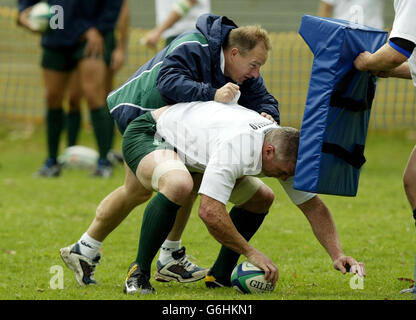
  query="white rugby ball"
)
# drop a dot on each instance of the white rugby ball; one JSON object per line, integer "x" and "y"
{"x": 39, "y": 17}
{"x": 79, "y": 157}
{"x": 247, "y": 278}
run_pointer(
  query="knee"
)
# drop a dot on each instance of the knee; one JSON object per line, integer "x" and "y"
{"x": 95, "y": 101}
{"x": 74, "y": 102}
{"x": 53, "y": 98}
{"x": 261, "y": 201}
{"x": 94, "y": 93}
{"x": 266, "y": 198}
{"x": 177, "y": 186}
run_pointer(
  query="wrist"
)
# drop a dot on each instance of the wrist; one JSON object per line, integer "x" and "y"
{"x": 337, "y": 256}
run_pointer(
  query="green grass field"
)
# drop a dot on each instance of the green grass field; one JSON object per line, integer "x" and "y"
{"x": 39, "y": 216}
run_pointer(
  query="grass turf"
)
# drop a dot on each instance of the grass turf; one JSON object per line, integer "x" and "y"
{"x": 38, "y": 216}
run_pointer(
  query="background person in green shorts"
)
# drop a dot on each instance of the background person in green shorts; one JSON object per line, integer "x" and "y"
{"x": 85, "y": 43}
{"x": 118, "y": 57}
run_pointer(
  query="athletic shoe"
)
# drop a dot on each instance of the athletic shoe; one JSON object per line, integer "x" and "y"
{"x": 410, "y": 290}
{"x": 82, "y": 266}
{"x": 104, "y": 169}
{"x": 51, "y": 168}
{"x": 179, "y": 269}
{"x": 212, "y": 283}
{"x": 135, "y": 280}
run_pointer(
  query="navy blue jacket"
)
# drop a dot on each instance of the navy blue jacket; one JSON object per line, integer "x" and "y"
{"x": 186, "y": 65}
{"x": 79, "y": 16}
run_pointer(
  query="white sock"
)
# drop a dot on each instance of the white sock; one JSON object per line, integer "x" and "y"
{"x": 166, "y": 250}
{"x": 88, "y": 246}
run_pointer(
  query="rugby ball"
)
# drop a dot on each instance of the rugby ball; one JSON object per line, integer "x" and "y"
{"x": 79, "y": 157}
{"x": 39, "y": 17}
{"x": 247, "y": 278}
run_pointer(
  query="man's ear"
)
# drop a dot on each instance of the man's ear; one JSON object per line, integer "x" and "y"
{"x": 234, "y": 52}
{"x": 269, "y": 151}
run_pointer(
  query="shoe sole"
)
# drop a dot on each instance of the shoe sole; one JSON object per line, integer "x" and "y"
{"x": 76, "y": 268}
{"x": 128, "y": 291}
{"x": 164, "y": 278}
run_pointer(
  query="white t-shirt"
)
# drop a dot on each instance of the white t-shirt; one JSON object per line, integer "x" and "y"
{"x": 404, "y": 26}
{"x": 366, "y": 12}
{"x": 222, "y": 140}
{"x": 164, "y": 7}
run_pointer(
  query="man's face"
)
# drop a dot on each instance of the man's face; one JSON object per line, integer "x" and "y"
{"x": 240, "y": 67}
{"x": 276, "y": 168}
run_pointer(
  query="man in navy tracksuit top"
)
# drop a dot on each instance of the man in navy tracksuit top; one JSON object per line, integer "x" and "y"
{"x": 204, "y": 64}
{"x": 83, "y": 40}
{"x": 215, "y": 62}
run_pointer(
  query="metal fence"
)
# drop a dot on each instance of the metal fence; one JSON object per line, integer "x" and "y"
{"x": 286, "y": 75}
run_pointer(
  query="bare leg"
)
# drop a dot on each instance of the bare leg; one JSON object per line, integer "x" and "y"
{"x": 409, "y": 180}
{"x": 117, "y": 206}
{"x": 55, "y": 83}
{"x": 92, "y": 74}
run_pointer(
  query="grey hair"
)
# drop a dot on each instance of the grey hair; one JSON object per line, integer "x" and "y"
{"x": 285, "y": 140}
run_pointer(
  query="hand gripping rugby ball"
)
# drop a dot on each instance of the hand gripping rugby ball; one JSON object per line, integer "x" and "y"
{"x": 79, "y": 157}
{"x": 247, "y": 278}
{"x": 39, "y": 17}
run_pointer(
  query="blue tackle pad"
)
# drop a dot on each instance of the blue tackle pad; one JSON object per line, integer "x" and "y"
{"x": 338, "y": 106}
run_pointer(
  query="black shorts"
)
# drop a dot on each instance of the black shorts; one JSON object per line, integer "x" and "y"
{"x": 66, "y": 59}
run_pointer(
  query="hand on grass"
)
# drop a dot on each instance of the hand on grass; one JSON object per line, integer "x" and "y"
{"x": 348, "y": 264}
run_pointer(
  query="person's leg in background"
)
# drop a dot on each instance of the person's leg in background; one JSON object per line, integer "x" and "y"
{"x": 55, "y": 83}
{"x": 409, "y": 181}
{"x": 73, "y": 117}
{"x": 92, "y": 75}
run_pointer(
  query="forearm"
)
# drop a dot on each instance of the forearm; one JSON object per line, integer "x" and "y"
{"x": 402, "y": 71}
{"x": 220, "y": 226}
{"x": 169, "y": 22}
{"x": 179, "y": 10}
{"x": 384, "y": 59}
{"x": 323, "y": 226}
{"x": 123, "y": 26}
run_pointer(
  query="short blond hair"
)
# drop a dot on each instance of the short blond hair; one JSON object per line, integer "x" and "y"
{"x": 285, "y": 140}
{"x": 246, "y": 38}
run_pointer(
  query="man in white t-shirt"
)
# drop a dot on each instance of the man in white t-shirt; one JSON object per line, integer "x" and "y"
{"x": 366, "y": 12}
{"x": 232, "y": 146}
{"x": 174, "y": 17}
{"x": 397, "y": 59}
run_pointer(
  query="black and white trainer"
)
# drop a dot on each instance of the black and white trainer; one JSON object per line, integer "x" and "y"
{"x": 82, "y": 266}
{"x": 180, "y": 269}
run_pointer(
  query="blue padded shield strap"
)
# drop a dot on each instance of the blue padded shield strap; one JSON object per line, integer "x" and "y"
{"x": 341, "y": 98}
{"x": 355, "y": 158}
